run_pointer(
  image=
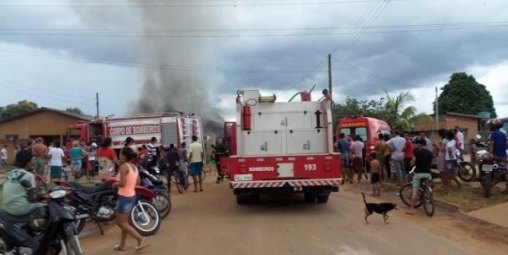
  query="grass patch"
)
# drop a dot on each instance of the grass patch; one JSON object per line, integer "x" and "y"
{"x": 470, "y": 197}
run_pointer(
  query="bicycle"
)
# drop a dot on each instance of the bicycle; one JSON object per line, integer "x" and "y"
{"x": 189, "y": 178}
{"x": 180, "y": 179}
{"x": 424, "y": 196}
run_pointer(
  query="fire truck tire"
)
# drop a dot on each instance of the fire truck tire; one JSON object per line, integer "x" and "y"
{"x": 255, "y": 198}
{"x": 322, "y": 199}
{"x": 309, "y": 198}
{"x": 242, "y": 200}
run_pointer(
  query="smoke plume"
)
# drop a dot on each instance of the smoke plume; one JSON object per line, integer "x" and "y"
{"x": 178, "y": 84}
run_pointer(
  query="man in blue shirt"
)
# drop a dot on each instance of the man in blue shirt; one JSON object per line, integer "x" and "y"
{"x": 343, "y": 147}
{"x": 497, "y": 145}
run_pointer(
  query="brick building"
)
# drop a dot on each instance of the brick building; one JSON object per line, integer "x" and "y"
{"x": 50, "y": 124}
{"x": 469, "y": 125}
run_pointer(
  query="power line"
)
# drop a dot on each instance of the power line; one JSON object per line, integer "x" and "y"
{"x": 181, "y": 4}
{"x": 46, "y": 93}
{"x": 237, "y": 30}
{"x": 146, "y": 65}
{"x": 367, "y": 24}
{"x": 365, "y": 70}
{"x": 259, "y": 32}
{"x": 360, "y": 21}
{"x": 28, "y": 90}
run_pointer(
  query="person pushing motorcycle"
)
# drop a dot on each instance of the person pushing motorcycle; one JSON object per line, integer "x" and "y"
{"x": 16, "y": 198}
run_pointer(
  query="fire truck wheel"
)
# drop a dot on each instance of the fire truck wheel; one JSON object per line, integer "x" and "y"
{"x": 309, "y": 198}
{"x": 242, "y": 200}
{"x": 255, "y": 198}
{"x": 322, "y": 199}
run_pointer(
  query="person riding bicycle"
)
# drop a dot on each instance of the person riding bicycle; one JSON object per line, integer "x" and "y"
{"x": 172, "y": 159}
{"x": 497, "y": 146}
{"x": 16, "y": 198}
{"x": 422, "y": 161}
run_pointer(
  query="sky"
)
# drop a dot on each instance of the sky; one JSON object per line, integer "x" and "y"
{"x": 194, "y": 55}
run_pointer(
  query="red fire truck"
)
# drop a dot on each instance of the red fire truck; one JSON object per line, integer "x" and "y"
{"x": 281, "y": 147}
{"x": 166, "y": 127}
{"x": 367, "y": 128}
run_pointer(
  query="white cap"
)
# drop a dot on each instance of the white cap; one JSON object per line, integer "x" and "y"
{"x": 94, "y": 145}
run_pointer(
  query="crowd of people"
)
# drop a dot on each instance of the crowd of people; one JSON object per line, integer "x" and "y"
{"x": 35, "y": 158}
{"x": 394, "y": 156}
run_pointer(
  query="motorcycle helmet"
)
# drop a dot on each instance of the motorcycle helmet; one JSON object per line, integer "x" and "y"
{"x": 39, "y": 218}
{"x": 494, "y": 124}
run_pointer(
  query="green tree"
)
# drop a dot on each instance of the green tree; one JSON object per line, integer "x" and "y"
{"x": 463, "y": 94}
{"x": 355, "y": 107}
{"x": 21, "y": 107}
{"x": 392, "y": 111}
{"x": 75, "y": 110}
{"x": 400, "y": 118}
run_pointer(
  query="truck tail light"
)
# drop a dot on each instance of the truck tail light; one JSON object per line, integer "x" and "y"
{"x": 243, "y": 169}
{"x": 328, "y": 167}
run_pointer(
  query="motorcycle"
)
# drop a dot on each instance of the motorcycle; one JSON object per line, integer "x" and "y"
{"x": 95, "y": 203}
{"x": 98, "y": 204}
{"x": 154, "y": 183}
{"x": 492, "y": 171}
{"x": 48, "y": 229}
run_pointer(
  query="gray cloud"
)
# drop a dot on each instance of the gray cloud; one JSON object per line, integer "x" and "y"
{"x": 409, "y": 56}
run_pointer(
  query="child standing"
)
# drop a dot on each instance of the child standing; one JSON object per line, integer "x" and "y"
{"x": 375, "y": 176}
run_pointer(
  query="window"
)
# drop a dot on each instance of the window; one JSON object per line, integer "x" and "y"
{"x": 354, "y": 131}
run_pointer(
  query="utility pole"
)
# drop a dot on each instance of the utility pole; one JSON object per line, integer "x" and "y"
{"x": 97, "y": 104}
{"x": 330, "y": 75}
{"x": 437, "y": 112}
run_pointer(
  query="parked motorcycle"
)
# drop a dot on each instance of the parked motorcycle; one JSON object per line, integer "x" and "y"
{"x": 154, "y": 183}
{"x": 48, "y": 229}
{"x": 492, "y": 171}
{"x": 98, "y": 203}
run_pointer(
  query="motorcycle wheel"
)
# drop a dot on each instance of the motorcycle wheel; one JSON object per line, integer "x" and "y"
{"x": 145, "y": 218}
{"x": 4, "y": 247}
{"x": 80, "y": 225}
{"x": 466, "y": 172}
{"x": 405, "y": 193}
{"x": 487, "y": 183}
{"x": 163, "y": 204}
{"x": 72, "y": 246}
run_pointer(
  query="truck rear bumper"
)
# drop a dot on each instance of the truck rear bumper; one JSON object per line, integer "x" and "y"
{"x": 330, "y": 185}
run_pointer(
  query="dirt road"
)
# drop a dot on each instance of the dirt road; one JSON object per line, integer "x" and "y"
{"x": 211, "y": 223}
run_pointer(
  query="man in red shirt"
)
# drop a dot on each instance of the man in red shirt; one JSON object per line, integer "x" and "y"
{"x": 408, "y": 152}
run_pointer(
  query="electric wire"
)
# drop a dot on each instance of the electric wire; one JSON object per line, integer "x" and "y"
{"x": 181, "y": 4}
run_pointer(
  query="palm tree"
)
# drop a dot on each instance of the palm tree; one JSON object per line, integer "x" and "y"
{"x": 403, "y": 119}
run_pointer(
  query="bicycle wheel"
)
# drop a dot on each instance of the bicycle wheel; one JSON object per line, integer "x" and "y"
{"x": 405, "y": 193}
{"x": 203, "y": 175}
{"x": 428, "y": 202}
{"x": 177, "y": 182}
